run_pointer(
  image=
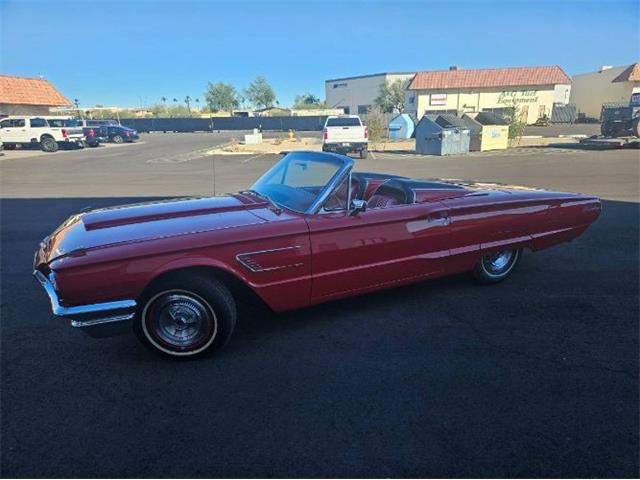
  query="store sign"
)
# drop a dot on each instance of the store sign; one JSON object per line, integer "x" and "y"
{"x": 518, "y": 96}
{"x": 438, "y": 99}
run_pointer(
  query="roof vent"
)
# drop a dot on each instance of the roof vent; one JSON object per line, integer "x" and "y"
{"x": 453, "y": 68}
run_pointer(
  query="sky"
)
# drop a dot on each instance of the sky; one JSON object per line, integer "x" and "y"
{"x": 132, "y": 53}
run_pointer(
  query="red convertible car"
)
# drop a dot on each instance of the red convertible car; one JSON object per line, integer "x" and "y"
{"x": 308, "y": 231}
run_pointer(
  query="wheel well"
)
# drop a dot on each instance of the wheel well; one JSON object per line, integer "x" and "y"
{"x": 46, "y": 135}
{"x": 239, "y": 289}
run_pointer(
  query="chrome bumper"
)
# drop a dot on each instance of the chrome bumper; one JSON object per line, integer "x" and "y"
{"x": 96, "y": 319}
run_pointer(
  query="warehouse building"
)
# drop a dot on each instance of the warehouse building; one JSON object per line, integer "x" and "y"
{"x": 356, "y": 95}
{"x": 532, "y": 90}
{"x": 609, "y": 85}
{"x": 28, "y": 96}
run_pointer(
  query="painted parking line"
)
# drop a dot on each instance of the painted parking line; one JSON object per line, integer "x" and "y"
{"x": 478, "y": 155}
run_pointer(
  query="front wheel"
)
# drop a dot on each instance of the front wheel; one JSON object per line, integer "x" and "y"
{"x": 48, "y": 144}
{"x": 186, "y": 317}
{"x": 497, "y": 266}
{"x": 117, "y": 139}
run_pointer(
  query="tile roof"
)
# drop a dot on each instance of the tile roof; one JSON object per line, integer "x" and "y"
{"x": 630, "y": 74}
{"x": 29, "y": 91}
{"x": 489, "y": 77}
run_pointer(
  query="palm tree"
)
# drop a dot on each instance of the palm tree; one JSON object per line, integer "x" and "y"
{"x": 187, "y": 100}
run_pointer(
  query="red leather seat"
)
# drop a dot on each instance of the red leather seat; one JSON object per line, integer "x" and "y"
{"x": 382, "y": 201}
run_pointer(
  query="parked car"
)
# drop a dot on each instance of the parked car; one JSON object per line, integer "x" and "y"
{"x": 120, "y": 134}
{"x": 93, "y": 135}
{"x": 308, "y": 231}
{"x": 25, "y": 130}
{"x": 344, "y": 134}
{"x": 100, "y": 122}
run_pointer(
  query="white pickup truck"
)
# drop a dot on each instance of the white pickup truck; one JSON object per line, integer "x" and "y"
{"x": 345, "y": 133}
{"x": 17, "y": 130}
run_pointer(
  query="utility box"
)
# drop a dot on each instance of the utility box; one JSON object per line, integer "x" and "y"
{"x": 401, "y": 127}
{"x": 488, "y": 131}
{"x": 254, "y": 138}
{"x": 443, "y": 134}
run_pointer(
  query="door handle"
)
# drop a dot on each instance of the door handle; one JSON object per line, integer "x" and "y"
{"x": 443, "y": 220}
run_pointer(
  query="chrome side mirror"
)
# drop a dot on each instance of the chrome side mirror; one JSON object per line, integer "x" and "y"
{"x": 357, "y": 206}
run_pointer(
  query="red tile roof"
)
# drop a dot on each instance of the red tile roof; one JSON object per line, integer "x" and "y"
{"x": 630, "y": 74}
{"x": 489, "y": 77}
{"x": 29, "y": 91}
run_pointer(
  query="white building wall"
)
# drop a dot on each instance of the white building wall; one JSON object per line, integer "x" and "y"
{"x": 591, "y": 90}
{"x": 358, "y": 93}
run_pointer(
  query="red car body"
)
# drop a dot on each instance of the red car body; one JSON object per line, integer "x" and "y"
{"x": 292, "y": 259}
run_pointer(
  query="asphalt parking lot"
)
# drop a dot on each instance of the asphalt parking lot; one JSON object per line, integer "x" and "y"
{"x": 537, "y": 376}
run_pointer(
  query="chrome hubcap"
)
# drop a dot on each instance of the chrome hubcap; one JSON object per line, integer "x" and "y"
{"x": 498, "y": 262}
{"x": 180, "y": 321}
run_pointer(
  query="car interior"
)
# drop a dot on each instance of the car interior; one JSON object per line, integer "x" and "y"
{"x": 384, "y": 190}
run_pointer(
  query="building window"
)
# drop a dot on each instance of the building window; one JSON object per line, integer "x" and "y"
{"x": 363, "y": 109}
{"x": 411, "y": 98}
{"x": 542, "y": 111}
{"x": 340, "y": 85}
{"x": 438, "y": 99}
{"x": 347, "y": 110}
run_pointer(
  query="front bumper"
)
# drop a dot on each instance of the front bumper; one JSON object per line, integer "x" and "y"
{"x": 96, "y": 319}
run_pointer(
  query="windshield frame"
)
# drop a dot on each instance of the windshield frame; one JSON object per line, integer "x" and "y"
{"x": 344, "y": 168}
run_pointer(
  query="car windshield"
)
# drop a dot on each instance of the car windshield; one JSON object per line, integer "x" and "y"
{"x": 296, "y": 181}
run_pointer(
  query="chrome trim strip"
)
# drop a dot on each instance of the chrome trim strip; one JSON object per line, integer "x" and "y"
{"x": 331, "y": 185}
{"x": 89, "y": 310}
{"x": 240, "y": 259}
{"x": 101, "y": 321}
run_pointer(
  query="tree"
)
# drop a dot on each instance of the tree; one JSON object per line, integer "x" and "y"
{"x": 308, "y": 100}
{"x": 391, "y": 96}
{"x": 163, "y": 99}
{"x": 260, "y": 93}
{"x": 187, "y": 100}
{"x": 221, "y": 96}
{"x": 514, "y": 117}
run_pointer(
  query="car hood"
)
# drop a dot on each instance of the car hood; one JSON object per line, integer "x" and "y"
{"x": 125, "y": 224}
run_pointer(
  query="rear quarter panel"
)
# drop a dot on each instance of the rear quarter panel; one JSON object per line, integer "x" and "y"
{"x": 495, "y": 220}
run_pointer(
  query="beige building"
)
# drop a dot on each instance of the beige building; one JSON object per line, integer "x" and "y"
{"x": 356, "y": 95}
{"x": 532, "y": 90}
{"x": 609, "y": 85}
{"x": 28, "y": 96}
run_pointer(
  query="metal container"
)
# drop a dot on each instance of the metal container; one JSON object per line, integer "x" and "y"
{"x": 442, "y": 135}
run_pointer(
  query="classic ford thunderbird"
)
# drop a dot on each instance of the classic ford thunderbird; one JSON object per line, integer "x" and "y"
{"x": 308, "y": 231}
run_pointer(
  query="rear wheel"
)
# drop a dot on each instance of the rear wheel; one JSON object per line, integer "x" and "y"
{"x": 364, "y": 153}
{"x": 497, "y": 266}
{"x": 48, "y": 144}
{"x": 117, "y": 139}
{"x": 186, "y": 316}
{"x": 9, "y": 146}
{"x": 635, "y": 127}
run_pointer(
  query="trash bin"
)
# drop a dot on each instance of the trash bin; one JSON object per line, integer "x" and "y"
{"x": 443, "y": 134}
{"x": 488, "y": 131}
{"x": 495, "y": 131}
{"x": 401, "y": 127}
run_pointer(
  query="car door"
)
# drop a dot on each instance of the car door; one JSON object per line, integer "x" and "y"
{"x": 13, "y": 129}
{"x": 376, "y": 248}
{"x": 38, "y": 126}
